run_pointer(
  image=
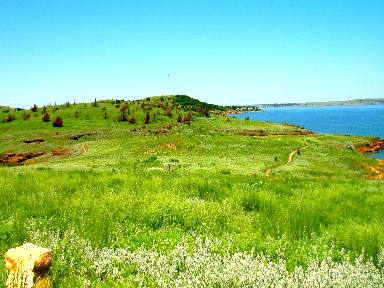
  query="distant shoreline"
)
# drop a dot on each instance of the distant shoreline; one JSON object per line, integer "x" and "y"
{"x": 355, "y": 102}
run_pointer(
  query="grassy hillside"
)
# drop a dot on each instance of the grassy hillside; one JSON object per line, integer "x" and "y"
{"x": 174, "y": 198}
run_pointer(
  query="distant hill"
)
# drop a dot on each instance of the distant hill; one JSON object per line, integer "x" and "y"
{"x": 367, "y": 101}
{"x": 166, "y": 110}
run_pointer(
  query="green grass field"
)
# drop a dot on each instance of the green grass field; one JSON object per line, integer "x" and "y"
{"x": 127, "y": 196}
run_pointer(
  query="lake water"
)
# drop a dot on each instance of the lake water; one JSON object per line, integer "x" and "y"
{"x": 348, "y": 120}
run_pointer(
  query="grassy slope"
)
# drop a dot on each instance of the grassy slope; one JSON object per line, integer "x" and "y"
{"x": 126, "y": 188}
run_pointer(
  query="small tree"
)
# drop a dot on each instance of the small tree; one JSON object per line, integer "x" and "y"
{"x": 34, "y": 108}
{"x": 146, "y": 118}
{"x": 179, "y": 119}
{"x": 132, "y": 120}
{"x": 95, "y": 103}
{"x": 58, "y": 122}
{"x": 45, "y": 117}
{"x": 9, "y": 118}
{"x": 169, "y": 113}
{"x": 123, "y": 113}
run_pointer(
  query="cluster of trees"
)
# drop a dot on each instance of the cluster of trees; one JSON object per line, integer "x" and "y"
{"x": 192, "y": 104}
{"x": 57, "y": 122}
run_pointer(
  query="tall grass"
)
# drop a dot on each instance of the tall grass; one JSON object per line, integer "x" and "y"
{"x": 142, "y": 192}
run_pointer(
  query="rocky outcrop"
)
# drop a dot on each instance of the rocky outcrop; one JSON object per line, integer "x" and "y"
{"x": 375, "y": 145}
{"x": 28, "y": 265}
{"x": 377, "y": 171}
{"x": 18, "y": 158}
{"x": 274, "y": 133}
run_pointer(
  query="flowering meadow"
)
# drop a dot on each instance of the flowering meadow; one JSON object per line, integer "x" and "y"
{"x": 182, "y": 198}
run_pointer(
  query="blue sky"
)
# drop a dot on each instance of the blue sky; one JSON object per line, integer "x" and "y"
{"x": 223, "y": 52}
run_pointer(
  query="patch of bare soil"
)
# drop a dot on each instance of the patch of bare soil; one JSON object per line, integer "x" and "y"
{"x": 77, "y": 137}
{"x": 34, "y": 141}
{"x": 60, "y": 152}
{"x": 378, "y": 170}
{"x": 170, "y": 145}
{"x": 19, "y": 158}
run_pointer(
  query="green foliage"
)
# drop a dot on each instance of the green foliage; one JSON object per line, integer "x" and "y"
{"x": 128, "y": 187}
{"x": 58, "y": 122}
{"x": 45, "y": 117}
{"x": 34, "y": 108}
{"x": 147, "y": 118}
{"x": 26, "y": 116}
{"x": 187, "y": 102}
{"x": 10, "y": 118}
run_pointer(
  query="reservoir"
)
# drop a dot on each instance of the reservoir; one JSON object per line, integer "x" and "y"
{"x": 348, "y": 120}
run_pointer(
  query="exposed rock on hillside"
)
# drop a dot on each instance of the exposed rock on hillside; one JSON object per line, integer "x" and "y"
{"x": 375, "y": 146}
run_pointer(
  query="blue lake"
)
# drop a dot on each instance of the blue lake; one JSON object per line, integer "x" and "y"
{"x": 348, "y": 120}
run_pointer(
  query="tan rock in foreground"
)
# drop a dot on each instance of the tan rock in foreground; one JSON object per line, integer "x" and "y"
{"x": 28, "y": 265}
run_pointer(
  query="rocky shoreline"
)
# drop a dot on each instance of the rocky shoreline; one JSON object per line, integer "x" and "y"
{"x": 234, "y": 112}
{"x": 375, "y": 145}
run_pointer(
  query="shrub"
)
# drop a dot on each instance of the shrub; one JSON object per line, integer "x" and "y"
{"x": 179, "y": 119}
{"x": 45, "y": 117}
{"x": 187, "y": 119}
{"x": 123, "y": 113}
{"x": 58, "y": 122}
{"x": 9, "y": 118}
{"x": 170, "y": 126}
{"x": 34, "y": 108}
{"x": 26, "y": 116}
{"x": 251, "y": 201}
{"x": 77, "y": 114}
{"x": 132, "y": 120}
{"x": 146, "y": 118}
{"x": 169, "y": 113}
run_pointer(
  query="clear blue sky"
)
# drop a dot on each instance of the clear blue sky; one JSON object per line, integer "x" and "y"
{"x": 223, "y": 52}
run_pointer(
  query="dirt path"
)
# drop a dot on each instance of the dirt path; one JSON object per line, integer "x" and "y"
{"x": 83, "y": 149}
{"x": 268, "y": 171}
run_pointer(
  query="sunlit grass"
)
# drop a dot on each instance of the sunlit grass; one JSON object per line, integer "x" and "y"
{"x": 120, "y": 188}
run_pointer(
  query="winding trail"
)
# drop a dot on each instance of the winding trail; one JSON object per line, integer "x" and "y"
{"x": 83, "y": 149}
{"x": 268, "y": 171}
